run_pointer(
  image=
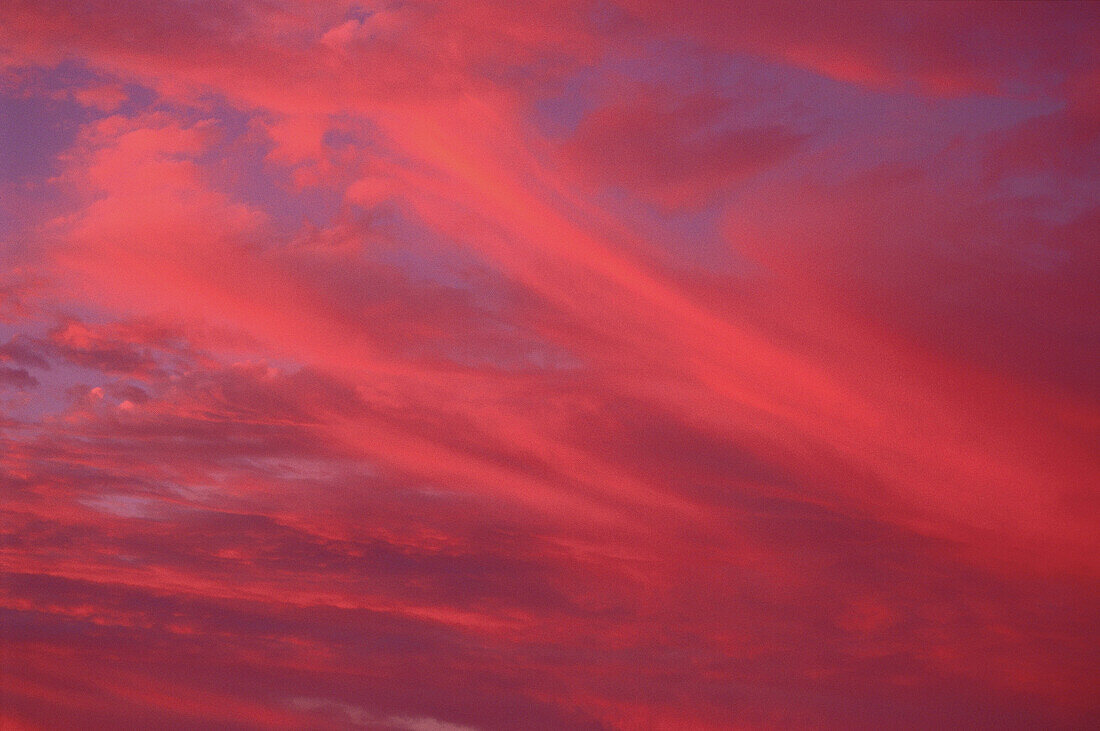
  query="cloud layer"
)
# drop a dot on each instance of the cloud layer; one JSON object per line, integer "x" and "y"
{"x": 480, "y": 364}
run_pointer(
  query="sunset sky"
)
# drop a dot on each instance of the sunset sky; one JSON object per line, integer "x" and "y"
{"x": 427, "y": 365}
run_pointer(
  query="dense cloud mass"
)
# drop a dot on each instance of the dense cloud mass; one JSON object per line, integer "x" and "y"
{"x": 438, "y": 366}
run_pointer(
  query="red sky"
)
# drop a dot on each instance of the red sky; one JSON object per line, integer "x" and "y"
{"x": 435, "y": 366}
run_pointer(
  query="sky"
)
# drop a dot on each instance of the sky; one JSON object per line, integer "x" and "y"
{"x": 573, "y": 364}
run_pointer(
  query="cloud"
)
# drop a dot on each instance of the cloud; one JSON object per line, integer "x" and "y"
{"x": 675, "y": 153}
{"x": 360, "y": 717}
{"x": 106, "y": 98}
{"x": 17, "y": 378}
{"x": 24, "y": 351}
{"x": 491, "y": 365}
{"x": 936, "y": 48}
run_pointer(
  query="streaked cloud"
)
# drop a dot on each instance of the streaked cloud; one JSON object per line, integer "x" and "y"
{"x": 445, "y": 366}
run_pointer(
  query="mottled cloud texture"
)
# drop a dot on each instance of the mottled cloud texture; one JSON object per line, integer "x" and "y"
{"x": 436, "y": 366}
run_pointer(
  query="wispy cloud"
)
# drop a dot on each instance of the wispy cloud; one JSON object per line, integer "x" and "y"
{"x": 360, "y": 717}
{"x": 550, "y": 365}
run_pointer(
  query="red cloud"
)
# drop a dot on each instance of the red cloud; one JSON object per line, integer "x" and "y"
{"x": 337, "y": 391}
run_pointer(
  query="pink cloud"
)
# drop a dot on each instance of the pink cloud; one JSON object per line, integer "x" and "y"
{"x": 494, "y": 365}
{"x": 106, "y": 98}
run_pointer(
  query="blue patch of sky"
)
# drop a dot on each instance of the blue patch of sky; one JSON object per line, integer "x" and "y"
{"x": 236, "y": 163}
{"x": 35, "y": 128}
